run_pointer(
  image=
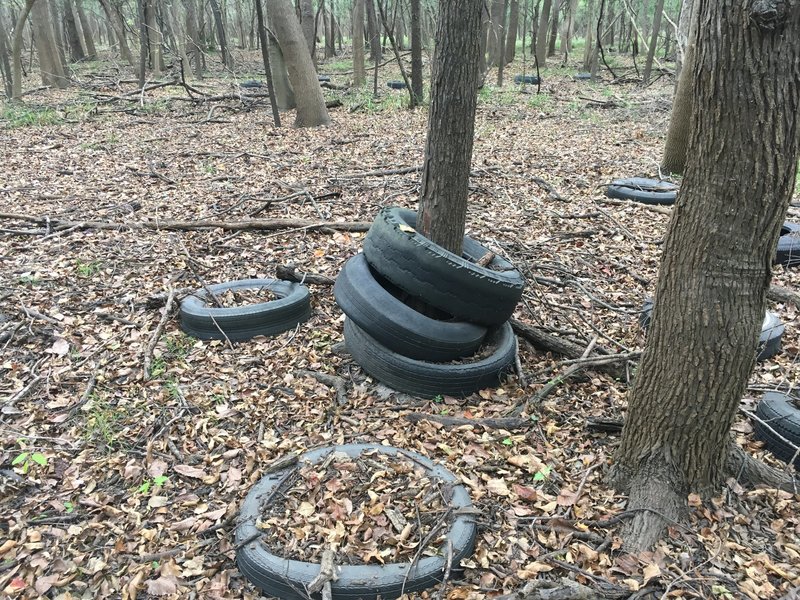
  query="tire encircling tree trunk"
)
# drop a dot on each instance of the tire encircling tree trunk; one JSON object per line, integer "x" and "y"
{"x": 311, "y": 111}
{"x": 716, "y": 264}
{"x": 451, "y": 124}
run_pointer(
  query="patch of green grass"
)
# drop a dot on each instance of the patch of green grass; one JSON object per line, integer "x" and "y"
{"x": 158, "y": 367}
{"x": 363, "y": 100}
{"x": 154, "y": 107}
{"x": 178, "y": 346}
{"x": 102, "y": 421}
{"x": 541, "y": 102}
{"x": 504, "y": 96}
{"x": 338, "y": 66}
{"x": 88, "y": 269}
{"x": 21, "y": 115}
{"x": 30, "y": 279}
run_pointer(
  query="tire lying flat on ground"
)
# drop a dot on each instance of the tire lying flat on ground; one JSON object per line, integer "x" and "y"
{"x": 640, "y": 189}
{"x": 238, "y": 323}
{"x": 769, "y": 340}
{"x": 456, "y": 285}
{"x": 397, "y": 326}
{"x": 782, "y": 415}
{"x": 396, "y": 85}
{"x": 429, "y": 379}
{"x": 526, "y": 79}
{"x": 788, "y": 251}
{"x": 288, "y": 579}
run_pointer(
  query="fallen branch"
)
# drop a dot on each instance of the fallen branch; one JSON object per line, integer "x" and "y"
{"x": 289, "y": 273}
{"x": 337, "y": 383}
{"x": 171, "y": 225}
{"x": 777, "y": 293}
{"x": 489, "y": 423}
{"x": 148, "y": 353}
{"x": 564, "y": 589}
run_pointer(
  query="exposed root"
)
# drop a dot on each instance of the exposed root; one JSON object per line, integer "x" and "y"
{"x": 751, "y": 472}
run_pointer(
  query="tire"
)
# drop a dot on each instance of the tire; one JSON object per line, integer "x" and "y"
{"x": 323, "y": 78}
{"x": 396, "y": 85}
{"x": 583, "y": 76}
{"x": 788, "y": 251}
{"x": 428, "y": 379}
{"x": 448, "y": 282}
{"x": 251, "y": 84}
{"x": 396, "y": 325}
{"x": 640, "y": 189}
{"x": 519, "y": 79}
{"x": 244, "y": 322}
{"x": 769, "y": 341}
{"x": 288, "y": 579}
{"x": 783, "y": 416}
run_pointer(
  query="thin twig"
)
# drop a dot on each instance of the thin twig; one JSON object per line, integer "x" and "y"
{"x": 148, "y": 353}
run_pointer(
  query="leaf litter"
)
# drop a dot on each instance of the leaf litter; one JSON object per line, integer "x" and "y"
{"x": 143, "y": 476}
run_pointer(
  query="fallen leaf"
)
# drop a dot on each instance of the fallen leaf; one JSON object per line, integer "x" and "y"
{"x": 498, "y": 487}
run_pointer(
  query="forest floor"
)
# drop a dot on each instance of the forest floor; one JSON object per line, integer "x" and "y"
{"x": 113, "y": 483}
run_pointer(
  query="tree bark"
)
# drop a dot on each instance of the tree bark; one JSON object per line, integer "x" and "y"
{"x": 311, "y": 111}
{"x": 154, "y": 38}
{"x": 451, "y": 124}
{"x": 86, "y": 28}
{"x": 495, "y": 31}
{"x": 118, "y": 27}
{"x": 307, "y": 23}
{"x": 373, "y": 31}
{"x": 16, "y": 50}
{"x": 262, "y": 38}
{"x": 682, "y": 35}
{"x": 651, "y": 51}
{"x": 716, "y": 264}
{"x": 5, "y": 63}
{"x": 44, "y": 38}
{"x": 541, "y": 34}
{"x": 73, "y": 37}
{"x": 143, "y": 43}
{"x": 569, "y": 28}
{"x": 416, "y": 52}
{"x": 195, "y": 51}
{"x": 359, "y": 73}
{"x": 511, "y": 37}
{"x": 501, "y": 49}
{"x": 222, "y": 38}
{"x": 551, "y": 42}
{"x": 588, "y": 52}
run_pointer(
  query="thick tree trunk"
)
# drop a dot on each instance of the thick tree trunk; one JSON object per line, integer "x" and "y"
{"x": 416, "y": 52}
{"x": 307, "y": 23}
{"x": 119, "y": 31}
{"x": 359, "y": 74}
{"x": 716, "y": 264}
{"x": 264, "y": 42}
{"x": 688, "y": 13}
{"x": 49, "y": 61}
{"x": 551, "y": 43}
{"x": 58, "y": 35}
{"x": 451, "y": 124}
{"x": 86, "y": 28}
{"x": 73, "y": 37}
{"x": 311, "y": 111}
{"x": 222, "y": 38}
{"x": 16, "y": 50}
{"x": 541, "y": 34}
{"x": 373, "y": 32}
{"x": 154, "y": 38}
{"x": 680, "y": 122}
{"x": 511, "y": 37}
{"x": 195, "y": 51}
{"x": 651, "y": 51}
{"x": 589, "y": 54}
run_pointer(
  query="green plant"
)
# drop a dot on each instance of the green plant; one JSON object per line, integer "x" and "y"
{"x": 87, "y": 269}
{"x": 178, "y": 346}
{"x": 29, "y": 279}
{"x": 541, "y": 101}
{"x": 20, "y": 115}
{"x": 158, "y": 367}
{"x": 172, "y": 388}
{"x": 27, "y": 460}
{"x": 542, "y": 473}
{"x": 507, "y": 442}
{"x": 101, "y": 421}
{"x": 438, "y": 398}
{"x": 155, "y": 482}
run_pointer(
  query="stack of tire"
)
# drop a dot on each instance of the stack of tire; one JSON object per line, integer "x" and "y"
{"x": 465, "y": 350}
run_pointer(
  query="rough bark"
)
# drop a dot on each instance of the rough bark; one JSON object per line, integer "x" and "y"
{"x": 307, "y": 23}
{"x": 495, "y": 31}
{"x": 86, "y": 28}
{"x": 451, "y": 124}
{"x": 284, "y": 94}
{"x": 359, "y": 73}
{"x": 373, "y": 32}
{"x": 589, "y": 55}
{"x": 154, "y": 38}
{"x": 569, "y": 29}
{"x": 16, "y": 50}
{"x": 73, "y": 37}
{"x": 118, "y": 27}
{"x": 651, "y": 51}
{"x": 511, "y": 37}
{"x": 682, "y": 34}
{"x": 416, "y": 52}
{"x": 680, "y": 122}
{"x": 716, "y": 263}
{"x": 501, "y": 48}
{"x": 551, "y": 42}
{"x": 195, "y": 50}
{"x": 44, "y": 38}
{"x": 5, "y": 63}
{"x": 330, "y": 34}
{"x": 264, "y": 42}
{"x": 311, "y": 111}
{"x": 541, "y": 33}
{"x": 172, "y": 18}
{"x": 222, "y": 38}
{"x": 143, "y": 44}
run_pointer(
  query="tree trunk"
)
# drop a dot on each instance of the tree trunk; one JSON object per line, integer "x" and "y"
{"x": 716, "y": 263}
{"x": 685, "y": 23}
{"x": 73, "y": 37}
{"x": 541, "y": 34}
{"x": 551, "y": 44}
{"x": 416, "y": 52}
{"x": 227, "y": 57}
{"x": 373, "y": 32}
{"x": 329, "y": 25}
{"x": 44, "y": 38}
{"x": 154, "y": 38}
{"x": 88, "y": 39}
{"x": 195, "y": 51}
{"x": 569, "y": 28}
{"x": 307, "y": 22}
{"x": 651, "y": 51}
{"x": 264, "y": 42}
{"x": 16, "y": 50}
{"x": 591, "y": 24}
{"x": 172, "y": 18}
{"x": 119, "y": 31}
{"x": 58, "y": 36}
{"x": 511, "y": 37}
{"x": 484, "y": 44}
{"x": 451, "y": 124}
{"x": 495, "y": 31}
{"x": 143, "y": 43}
{"x": 501, "y": 48}
{"x": 359, "y": 74}
{"x": 5, "y": 63}
{"x": 311, "y": 111}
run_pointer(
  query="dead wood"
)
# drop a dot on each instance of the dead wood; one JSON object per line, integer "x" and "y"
{"x": 148, "y": 353}
{"x": 290, "y": 273}
{"x": 653, "y": 207}
{"x": 489, "y": 423}
{"x": 604, "y": 425}
{"x": 486, "y": 259}
{"x": 777, "y": 293}
{"x": 334, "y": 381}
{"x": 381, "y": 173}
{"x": 552, "y": 194}
{"x": 563, "y": 589}
{"x": 172, "y": 225}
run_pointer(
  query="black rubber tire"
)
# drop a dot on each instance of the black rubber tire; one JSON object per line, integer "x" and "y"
{"x": 323, "y": 78}
{"x": 244, "y": 322}
{"x": 769, "y": 342}
{"x": 288, "y": 579}
{"x": 783, "y": 416}
{"x": 396, "y": 85}
{"x": 582, "y": 76}
{"x": 531, "y": 79}
{"x": 448, "y": 282}
{"x": 788, "y": 251}
{"x": 252, "y": 83}
{"x": 396, "y": 325}
{"x": 640, "y": 189}
{"x": 429, "y": 379}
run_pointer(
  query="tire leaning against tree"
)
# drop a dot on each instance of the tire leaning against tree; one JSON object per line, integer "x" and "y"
{"x": 428, "y": 379}
{"x": 782, "y": 415}
{"x": 454, "y": 284}
{"x": 394, "y": 324}
{"x": 289, "y": 579}
{"x": 238, "y": 323}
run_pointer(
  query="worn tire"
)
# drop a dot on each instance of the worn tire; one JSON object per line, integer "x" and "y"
{"x": 769, "y": 341}
{"x": 429, "y": 379}
{"x": 640, "y": 189}
{"x": 396, "y": 85}
{"x": 440, "y": 278}
{"x": 244, "y": 322}
{"x": 531, "y": 79}
{"x": 582, "y": 76}
{"x": 396, "y": 325}
{"x": 288, "y": 579}
{"x": 788, "y": 251}
{"x": 783, "y": 416}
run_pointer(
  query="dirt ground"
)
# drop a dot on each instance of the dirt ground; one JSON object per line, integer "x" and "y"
{"x": 113, "y": 484}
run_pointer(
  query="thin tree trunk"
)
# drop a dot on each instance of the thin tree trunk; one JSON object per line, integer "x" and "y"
{"x": 73, "y": 37}
{"x": 451, "y": 124}
{"x": 651, "y": 51}
{"x": 501, "y": 50}
{"x": 373, "y": 32}
{"x": 195, "y": 50}
{"x": 5, "y": 63}
{"x": 262, "y": 37}
{"x": 551, "y": 44}
{"x": 44, "y": 37}
{"x": 591, "y": 24}
{"x": 541, "y": 34}
{"x": 495, "y": 31}
{"x": 307, "y": 22}
{"x": 88, "y": 39}
{"x": 58, "y": 37}
{"x": 172, "y": 17}
{"x": 716, "y": 263}
{"x": 119, "y": 31}
{"x": 416, "y": 52}
{"x": 227, "y": 57}
{"x": 359, "y": 74}
{"x": 513, "y": 26}
{"x": 16, "y": 50}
